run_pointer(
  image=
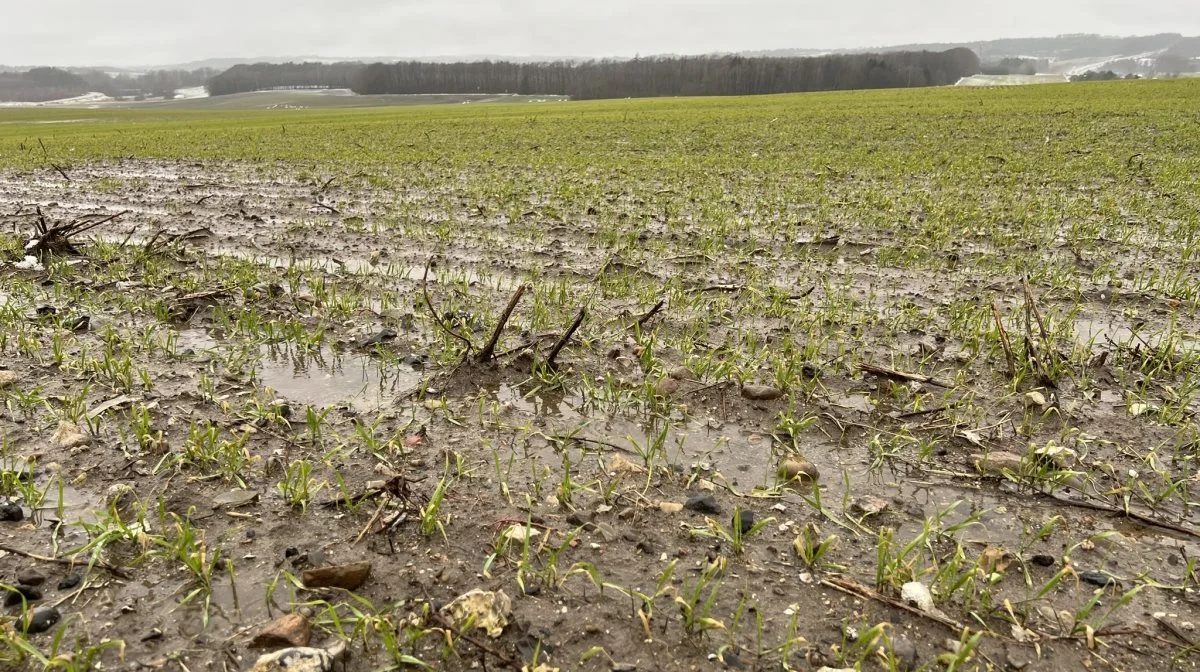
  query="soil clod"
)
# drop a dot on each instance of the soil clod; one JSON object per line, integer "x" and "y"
{"x": 761, "y": 392}
{"x": 349, "y": 576}
{"x": 702, "y": 503}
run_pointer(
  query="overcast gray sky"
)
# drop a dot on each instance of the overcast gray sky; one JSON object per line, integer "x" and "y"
{"x": 150, "y": 32}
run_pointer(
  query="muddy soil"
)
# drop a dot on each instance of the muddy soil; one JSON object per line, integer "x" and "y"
{"x": 292, "y": 401}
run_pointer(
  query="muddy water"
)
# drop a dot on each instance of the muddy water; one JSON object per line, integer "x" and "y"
{"x": 323, "y": 378}
{"x": 1116, "y": 330}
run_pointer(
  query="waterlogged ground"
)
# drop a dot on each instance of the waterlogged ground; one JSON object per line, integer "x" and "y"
{"x": 934, "y": 351}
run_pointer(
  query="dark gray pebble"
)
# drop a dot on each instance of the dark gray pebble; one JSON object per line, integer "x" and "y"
{"x": 1098, "y": 579}
{"x": 30, "y": 578}
{"x": 22, "y": 594}
{"x": 702, "y": 503}
{"x": 747, "y": 521}
{"x": 70, "y": 582}
{"x": 41, "y": 620}
{"x": 11, "y": 512}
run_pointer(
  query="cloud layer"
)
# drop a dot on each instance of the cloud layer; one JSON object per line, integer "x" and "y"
{"x": 146, "y": 32}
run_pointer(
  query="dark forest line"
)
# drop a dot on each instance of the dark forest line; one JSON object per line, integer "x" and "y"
{"x": 636, "y": 78}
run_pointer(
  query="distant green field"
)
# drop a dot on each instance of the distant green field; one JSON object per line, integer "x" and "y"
{"x": 950, "y": 133}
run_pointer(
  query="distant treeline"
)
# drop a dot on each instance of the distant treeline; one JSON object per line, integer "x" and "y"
{"x": 636, "y": 78}
{"x": 260, "y": 76}
{"x": 42, "y": 84}
{"x": 1017, "y": 66}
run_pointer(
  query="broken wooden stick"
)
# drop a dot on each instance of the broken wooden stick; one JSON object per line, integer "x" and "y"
{"x": 61, "y": 171}
{"x": 70, "y": 562}
{"x": 651, "y": 313}
{"x": 433, "y": 311}
{"x": 1044, "y": 345}
{"x": 859, "y": 590}
{"x": 566, "y": 337}
{"x": 489, "y": 350}
{"x": 1008, "y": 354}
{"x": 893, "y": 374}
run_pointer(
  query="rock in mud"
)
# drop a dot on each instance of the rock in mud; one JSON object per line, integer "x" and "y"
{"x": 621, "y": 466}
{"x": 10, "y": 512}
{"x": 349, "y": 576}
{"x": 745, "y": 521}
{"x": 905, "y": 653}
{"x": 996, "y": 462}
{"x": 20, "y": 594}
{"x": 489, "y": 611}
{"x": 702, "y": 503}
{"x": 41, "y": 620}
{"x": 868, "y": 505}
{"x": 68, "y": 436}
{"x": 299, "y": 659}
{"x": 1043, "y": 560}
{"x": 289, "y": 630}
{"x": 916, "y": 594}
{"x": 71, "y": 581}
{"x": 798, "y": 469}
{"x": 666, "y": 387}
{"x": 381, "y": 336}
{"x": 234, "y": 498}
{"x": 761, "y": 392}
{"x": 680, "y": 373}
{"x": 7, "y": 378}
{"x": 30, "y": 577}
{"x": 1101, "y": 579}
{"x": 670, "y": 507}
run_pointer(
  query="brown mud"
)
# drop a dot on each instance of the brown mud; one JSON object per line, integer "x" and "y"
{"x": 287, "y": 314}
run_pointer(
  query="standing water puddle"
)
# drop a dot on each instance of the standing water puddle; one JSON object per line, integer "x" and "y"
{"x": 1114, "y": 330}
{"x": 323, "y": 377}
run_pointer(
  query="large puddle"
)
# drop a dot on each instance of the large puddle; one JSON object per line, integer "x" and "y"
{"x": 322, "y": 378}
{"x": 319, "y": 377}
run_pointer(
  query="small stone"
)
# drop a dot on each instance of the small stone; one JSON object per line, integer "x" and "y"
{"x": 71, "y": 581}
{"x": 41, "y": 620}
{"x": 289, "y": 630}
{"x": 905, "y": 653}
{"x": 68, "y": 436}
{"x": 29, "y": 577}
{"x": 996, "y": 462}
{"x": 606, "y": 532}
{"x": 666, "y": 387}
{"x": 21, "y": 594}
{"x": 702, "y": 503}
{"x": 747, "y": 520}
{"x": 487, "y": 610}
{"x": 299, "y": 659}
{"x": 7, "y": 378}
{"x": 1043, "y": 560}
{"x": 10, "y": 512}
{"x": 761, "y": 392}
{"x": 680, "y": 373}
{"x": 234, "y": 498}
{"x": 916, "y": 594}
{"x": 674, "y": 507}
{"x": 1035, "y": 399}
{"x": 1101, "y": 579}
{"x": 798, "y": 469}
{"x": 349, "y": 576}
{"x": 520, "y": 533}
{"x": 620, "y": 465}
{"x": 868, "y": 505}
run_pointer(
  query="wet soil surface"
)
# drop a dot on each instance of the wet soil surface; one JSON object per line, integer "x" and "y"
{"x": 240, "y": 379}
